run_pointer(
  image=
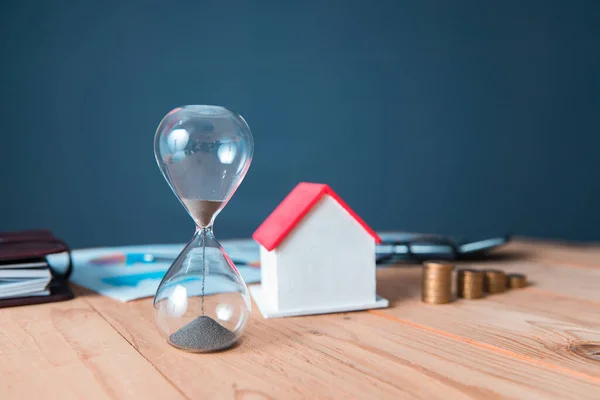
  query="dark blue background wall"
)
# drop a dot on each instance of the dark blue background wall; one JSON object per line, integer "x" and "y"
{"x": 463, "y": 117}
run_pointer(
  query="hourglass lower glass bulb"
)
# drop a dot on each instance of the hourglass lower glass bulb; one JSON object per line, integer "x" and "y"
{"x": 204, "y": 152}
{"x": 202, "y": 303}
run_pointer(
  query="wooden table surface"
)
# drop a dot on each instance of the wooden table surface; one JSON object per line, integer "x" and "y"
{"x": 541, "y": 342}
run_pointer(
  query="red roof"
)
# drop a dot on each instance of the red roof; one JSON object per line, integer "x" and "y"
{"x": 291, "y": 211}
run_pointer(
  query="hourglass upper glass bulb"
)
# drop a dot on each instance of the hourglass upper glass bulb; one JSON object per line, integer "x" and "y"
{"x": 204, "y": 153}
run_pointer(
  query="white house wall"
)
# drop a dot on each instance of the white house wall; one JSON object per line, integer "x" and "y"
{"x": 327, "y": 259}
{"x": 268, "y": 276}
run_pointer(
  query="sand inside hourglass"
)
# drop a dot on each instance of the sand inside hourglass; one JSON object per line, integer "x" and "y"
{"x": 203, "y": 334}
{"x": 202, "y": 210}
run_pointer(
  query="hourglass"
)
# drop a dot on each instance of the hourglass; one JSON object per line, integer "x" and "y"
{"x": 204, "y": 152}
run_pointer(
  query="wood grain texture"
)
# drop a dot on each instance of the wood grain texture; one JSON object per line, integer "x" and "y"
{"x": 582, "y": 255}
{"x": 537, "y": 338}
{"x": 68, "y": 351}
{"x": 353, "y": 355}
{"x": 541, "y": 342}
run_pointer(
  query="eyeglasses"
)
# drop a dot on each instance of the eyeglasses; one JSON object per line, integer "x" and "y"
{"x": 422, "y": 247}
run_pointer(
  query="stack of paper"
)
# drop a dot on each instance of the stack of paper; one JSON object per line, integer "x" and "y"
{"x": 20, "y": 279}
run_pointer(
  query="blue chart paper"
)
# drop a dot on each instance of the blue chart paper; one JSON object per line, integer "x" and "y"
{"x": 137, "y": 281}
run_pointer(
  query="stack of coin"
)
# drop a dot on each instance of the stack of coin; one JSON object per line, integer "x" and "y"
{"x": 469, "y": 284}
{"x": 494, "y": 281}
{"x": 514, "y": 281}
{"x": 437, "y": 282}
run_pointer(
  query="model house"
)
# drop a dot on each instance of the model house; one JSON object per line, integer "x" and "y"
{"x": 316, "y": 256}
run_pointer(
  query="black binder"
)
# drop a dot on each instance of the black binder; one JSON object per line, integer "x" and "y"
{"x": 31, "y": 246}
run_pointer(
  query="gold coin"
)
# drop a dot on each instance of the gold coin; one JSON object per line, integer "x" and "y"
{"x": 494, "y": 281}
{"x": 469, "y": 284}
{"x": 515, "y": 281}
{"x": 437, "y": 282}
{"x": 445, "y": 265}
